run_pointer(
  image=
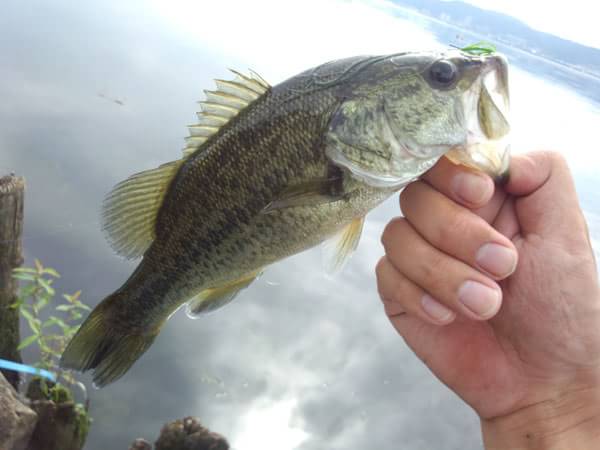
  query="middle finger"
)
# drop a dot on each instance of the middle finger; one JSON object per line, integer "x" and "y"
{"x": 449, "y": 281}
{"x": 457, "y": 231}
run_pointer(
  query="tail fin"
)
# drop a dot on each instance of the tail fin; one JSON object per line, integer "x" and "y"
{"x": 108, "y": 350}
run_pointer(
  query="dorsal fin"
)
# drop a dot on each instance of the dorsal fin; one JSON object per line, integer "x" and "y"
{"x": 221, "y": 105}
{"x": 130, "y": 209}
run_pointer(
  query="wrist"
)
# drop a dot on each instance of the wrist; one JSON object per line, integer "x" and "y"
{"x": 568, "y": 421}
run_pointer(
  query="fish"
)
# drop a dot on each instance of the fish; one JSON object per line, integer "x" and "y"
{"x": 270, "y": 171}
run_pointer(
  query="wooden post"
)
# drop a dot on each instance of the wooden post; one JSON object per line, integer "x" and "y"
{"x": 12, "y": 191}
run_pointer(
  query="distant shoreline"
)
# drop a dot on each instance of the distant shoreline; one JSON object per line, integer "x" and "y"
{"x": 538, "y": 46}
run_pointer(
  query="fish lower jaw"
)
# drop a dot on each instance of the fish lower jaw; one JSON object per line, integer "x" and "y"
{"x": 489, "y": 156}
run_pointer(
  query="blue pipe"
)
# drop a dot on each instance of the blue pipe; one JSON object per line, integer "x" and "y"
{"x": 11, "y": 365}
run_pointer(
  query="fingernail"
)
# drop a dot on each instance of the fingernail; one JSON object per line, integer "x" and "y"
{"x": 480, "y": 299}
{"x": 471, "y": 188}
{"x": 434, "y": 309}
{"x": 497, "y": 260}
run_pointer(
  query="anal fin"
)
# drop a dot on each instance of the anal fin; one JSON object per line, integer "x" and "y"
{"x": 214, "y": 298}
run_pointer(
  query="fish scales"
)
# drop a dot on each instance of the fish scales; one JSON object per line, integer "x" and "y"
{"x": 303, "y": 161}
{"x": 209, "y": 228}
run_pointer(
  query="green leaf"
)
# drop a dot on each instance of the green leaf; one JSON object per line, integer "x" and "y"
{"x": 25, "y": 313}
{"x": 35, "y": 293}
{"x": 49, "y": 351}
{"x": 65, "y": 307}
{"x": 34, "y": 323}
{"x": 27, "y": 342}
{"x": 51, "y": 271}
{"x": 480, "y": 48}
{"x": 46, "y": 285}
{"x": 24, "y": 270}
{"x": 73, "y": 298}
{"x": 44, "y": 387}
{"x": 42, "y": 302}
{"x": 63, "y": 326}
{"x": 53, "y": 320}
{"x": 28, "y": 291}
{"x": 24, "y": 276}
{"x": 45, "y": 349}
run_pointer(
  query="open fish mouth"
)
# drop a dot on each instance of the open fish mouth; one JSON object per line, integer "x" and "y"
{"x": 487, "y": 106}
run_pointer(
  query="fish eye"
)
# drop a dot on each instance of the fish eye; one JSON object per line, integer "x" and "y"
{"x": 443, "y": 73}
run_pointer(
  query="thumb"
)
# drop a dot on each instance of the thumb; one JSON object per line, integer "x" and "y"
{"x": 546, "y": 199}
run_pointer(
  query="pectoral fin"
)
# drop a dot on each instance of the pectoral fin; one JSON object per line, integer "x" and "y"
{"x": 313, "y": 192}
{"x": 214, "y": 298}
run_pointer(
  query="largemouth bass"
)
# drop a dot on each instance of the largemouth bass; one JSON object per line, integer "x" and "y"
{"x": 271, "y": 171}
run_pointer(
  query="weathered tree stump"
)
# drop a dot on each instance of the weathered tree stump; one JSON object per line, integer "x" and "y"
{"x": 61, "y": 424}
{"x": 17, "y": 420}
{"x": 12, "y": 191}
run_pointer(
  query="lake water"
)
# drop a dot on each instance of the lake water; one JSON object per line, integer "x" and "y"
{"x": 92, "y": 93}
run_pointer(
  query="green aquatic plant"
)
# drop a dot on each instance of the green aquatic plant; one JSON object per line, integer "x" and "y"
{"x": 52, "y": 322}
{"x": 480, "y": 48}
{"x": 52, "y": 333}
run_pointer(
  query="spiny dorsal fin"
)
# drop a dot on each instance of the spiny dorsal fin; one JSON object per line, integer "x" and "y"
{"x": 223, "y": 104}
{"x": 129, "y": 211}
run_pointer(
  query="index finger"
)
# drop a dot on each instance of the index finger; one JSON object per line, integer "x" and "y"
{"x": 465, "y": 186}
{"x": 474, "y": 190}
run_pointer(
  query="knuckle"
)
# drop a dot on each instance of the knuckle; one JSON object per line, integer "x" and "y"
{"x": 559, "y": 161}
{"x": 431, "y": 273}
{"x": 380, "y": 268}
{"x": 382, "y": 296}
{"x": 386, "y": 296}
{"x": 385, "y": 284}
{"x": 396, "y": 292}
{"x": 391, "y": 286}
{"x": 438, "y": 287}
{"x": 409, "y": 195}
{"x": 405, "y": 195}
{"x": 553, "y": 158}
{"x": 453, "y": 226}
{"x": 392, "y": 230}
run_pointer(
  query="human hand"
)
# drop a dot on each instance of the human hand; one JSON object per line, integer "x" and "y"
{"x": 534, "y": 360}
